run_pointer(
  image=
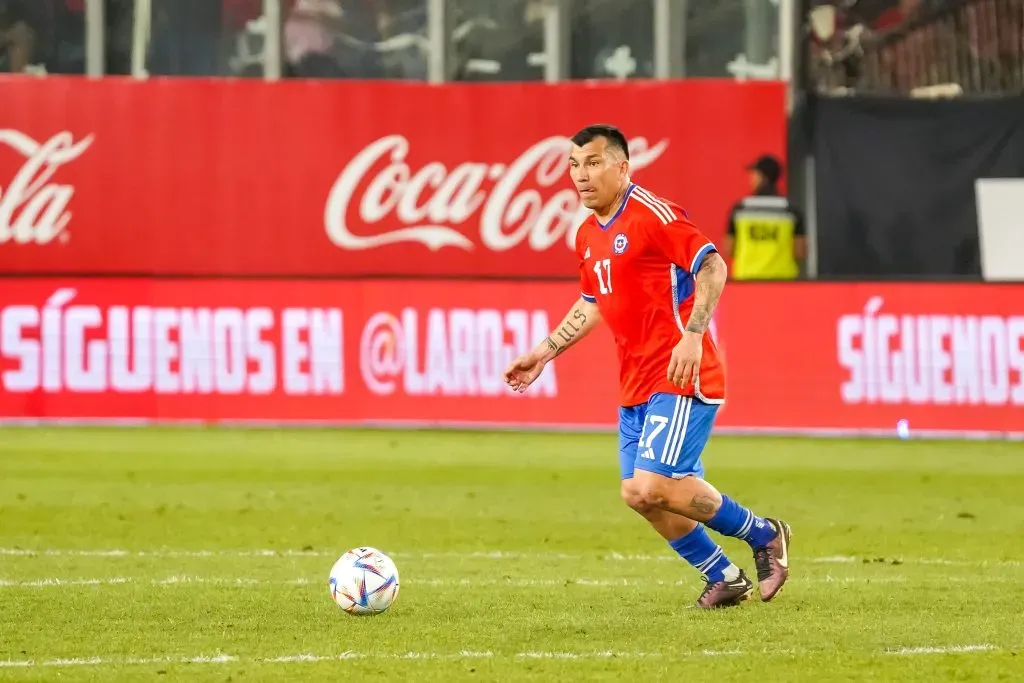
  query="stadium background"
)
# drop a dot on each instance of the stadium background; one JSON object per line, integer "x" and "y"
{"x": 374, "y": 247}
{"x": 277, "y": 214}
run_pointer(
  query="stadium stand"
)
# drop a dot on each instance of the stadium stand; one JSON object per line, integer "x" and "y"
{"x": 918, "y": 48}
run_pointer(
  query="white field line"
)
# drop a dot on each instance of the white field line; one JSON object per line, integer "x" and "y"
{"x": 344, "y": 656}
{"x": 948, "y": 650}
{"x": 53, "y": 582}
{"x": 499, "y": 427}
{"x": 306, "y": 658}
{"x": 479, "y": 555}
{"x": 221, "y": 581}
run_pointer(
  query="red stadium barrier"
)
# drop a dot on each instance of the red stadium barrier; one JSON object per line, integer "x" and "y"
{"x": 246, "y": 178}
{"x": 801, "y": 358}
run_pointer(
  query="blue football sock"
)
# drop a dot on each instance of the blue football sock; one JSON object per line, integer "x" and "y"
{"x": 732, "y": 519}
{"x": 705, "y": 555}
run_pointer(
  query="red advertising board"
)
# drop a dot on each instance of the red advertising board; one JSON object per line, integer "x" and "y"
{"x": 801, "y": 358}
{"x": 247, "y": 178}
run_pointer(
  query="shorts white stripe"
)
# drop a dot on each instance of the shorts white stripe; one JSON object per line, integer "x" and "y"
{"x": 673, "y": 427}
{"x": 658, "y": 211}
{"x": 681, "y": 436}
{"x": 660, "y": 204}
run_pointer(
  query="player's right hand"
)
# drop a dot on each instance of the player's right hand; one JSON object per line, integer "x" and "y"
{"x": 523, "y": 371}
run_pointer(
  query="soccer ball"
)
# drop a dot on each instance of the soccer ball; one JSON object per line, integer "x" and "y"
{"x": 364, "y": 581}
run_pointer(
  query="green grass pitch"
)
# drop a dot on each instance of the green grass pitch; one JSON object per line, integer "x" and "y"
{"x": 517, "y": 560}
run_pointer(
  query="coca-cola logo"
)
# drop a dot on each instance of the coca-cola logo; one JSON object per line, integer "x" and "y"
{"x": 33, "y": 208}
{"x": 514, "y": 203}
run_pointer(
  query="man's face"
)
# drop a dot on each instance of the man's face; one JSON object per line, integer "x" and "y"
{"x": 597, "y": 173}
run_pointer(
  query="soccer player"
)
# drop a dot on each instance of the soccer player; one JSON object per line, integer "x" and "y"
{"x": 650, "y": 274}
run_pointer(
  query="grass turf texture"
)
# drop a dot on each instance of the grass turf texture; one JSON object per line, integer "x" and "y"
{"x": 517, "y": 559}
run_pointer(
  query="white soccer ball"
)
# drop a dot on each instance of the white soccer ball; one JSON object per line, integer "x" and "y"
{"x": 364, "y": 581}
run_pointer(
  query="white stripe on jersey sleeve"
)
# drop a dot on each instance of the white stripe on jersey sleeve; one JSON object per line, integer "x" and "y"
{"x": 658, "y": 207}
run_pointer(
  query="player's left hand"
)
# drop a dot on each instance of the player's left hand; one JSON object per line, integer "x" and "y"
{"x": 685, "y": 362}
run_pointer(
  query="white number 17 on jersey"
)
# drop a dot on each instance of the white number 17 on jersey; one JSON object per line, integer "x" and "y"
{"x": 603, "y": 269}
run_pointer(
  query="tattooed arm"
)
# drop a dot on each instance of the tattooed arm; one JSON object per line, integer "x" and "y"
{"x": 710, "y": 281}
{"x": 684, "y": 364}
{"x": 578, "y": 322}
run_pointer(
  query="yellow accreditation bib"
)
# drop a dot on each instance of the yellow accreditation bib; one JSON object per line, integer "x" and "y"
{"x": 764, "y": 232}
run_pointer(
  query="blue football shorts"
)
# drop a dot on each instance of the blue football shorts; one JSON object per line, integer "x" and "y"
{"x": 666, "y": 436}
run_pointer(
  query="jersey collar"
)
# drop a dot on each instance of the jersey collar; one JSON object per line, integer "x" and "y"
{"x": 622, "y": 206}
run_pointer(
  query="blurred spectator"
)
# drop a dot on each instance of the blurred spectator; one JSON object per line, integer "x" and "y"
{"x": 25, "y": 35}
{"x": 356, "y": 39}
{"x": 310, "y": 33}
{"x": 49, "y": 35}
{"x": 402, "y": 27}
{"x": 498, "y": 40}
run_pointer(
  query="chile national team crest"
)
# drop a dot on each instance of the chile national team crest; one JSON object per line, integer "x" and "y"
{"x": 620, "y": 243}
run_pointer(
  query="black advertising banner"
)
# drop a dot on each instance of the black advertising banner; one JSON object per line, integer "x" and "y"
{"x": 897, "y": 181}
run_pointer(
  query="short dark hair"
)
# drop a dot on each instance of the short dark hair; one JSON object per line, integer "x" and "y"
{"x": 616, "y": 140}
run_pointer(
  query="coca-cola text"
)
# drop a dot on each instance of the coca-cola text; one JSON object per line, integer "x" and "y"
{"x": 34, "y": 207}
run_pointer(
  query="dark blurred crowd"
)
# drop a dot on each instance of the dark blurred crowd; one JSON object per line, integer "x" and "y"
{"x": 34, "y": 33}
{"x": 488, "y": 39}
{"x": 920, "y": 47}
{"x": 48, "y": 36}
{"x": 878, "y": 45}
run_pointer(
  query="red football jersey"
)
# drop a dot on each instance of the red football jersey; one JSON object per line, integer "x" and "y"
{"x": 639, "y": 269}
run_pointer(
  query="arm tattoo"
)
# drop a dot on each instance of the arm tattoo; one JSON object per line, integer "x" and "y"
{"x": 699, "y": 319}
{"x": 565, "y": 335}
{"x": 709, "y": 285}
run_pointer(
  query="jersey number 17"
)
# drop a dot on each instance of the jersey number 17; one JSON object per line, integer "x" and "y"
{"x": 603, "y": 270}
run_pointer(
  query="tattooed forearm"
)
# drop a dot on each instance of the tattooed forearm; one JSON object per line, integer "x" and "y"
{"x": 572, "y": 327}
{"x": 710, "y": 281}
{"x": 577, "y": 324}
{"x": 700, "y": 318}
